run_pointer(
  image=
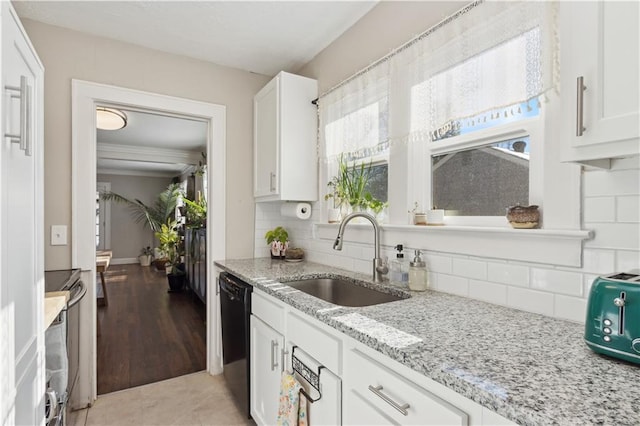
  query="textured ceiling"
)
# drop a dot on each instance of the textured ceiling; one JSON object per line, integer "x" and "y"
{"x": 258, "y": 36}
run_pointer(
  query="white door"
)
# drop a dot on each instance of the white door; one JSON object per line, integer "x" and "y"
{"x": 265, "y": 372}
{"x": 266, "y": 139}
{"x": 21, "y": 229}
{"x": 103, "y": 218}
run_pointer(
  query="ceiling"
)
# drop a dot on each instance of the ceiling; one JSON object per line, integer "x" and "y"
{"x": 264, "y": 37}
{"x": 151, "y": 144}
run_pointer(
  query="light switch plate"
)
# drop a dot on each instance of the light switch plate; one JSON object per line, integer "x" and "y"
{"x": 58, "y": 235}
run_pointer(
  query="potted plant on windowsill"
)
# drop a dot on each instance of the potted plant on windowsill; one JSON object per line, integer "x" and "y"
{"x": 146, "y": 254}
{"x": 170, "y": 246}
{"x": 278, "y": 238}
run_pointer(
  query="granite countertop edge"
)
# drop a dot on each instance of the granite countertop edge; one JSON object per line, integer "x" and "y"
{"x": 459, "y": 372}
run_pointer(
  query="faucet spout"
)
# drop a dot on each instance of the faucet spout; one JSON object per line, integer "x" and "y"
{"x": 379, "y": 267}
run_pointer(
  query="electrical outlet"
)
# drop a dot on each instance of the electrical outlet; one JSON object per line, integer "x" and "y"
{"x": 58, "y": 235}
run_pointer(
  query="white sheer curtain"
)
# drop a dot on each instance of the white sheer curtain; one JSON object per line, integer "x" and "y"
{"x": 487, "y": 56}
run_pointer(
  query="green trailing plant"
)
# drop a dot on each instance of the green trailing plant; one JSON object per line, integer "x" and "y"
{"x": 196, "y": 211}
{"x": 170, "y": 244}
{"x": 374, "y": 204}
{"x": 153, "y": 216}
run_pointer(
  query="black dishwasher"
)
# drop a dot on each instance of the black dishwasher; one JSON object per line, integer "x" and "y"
{"x": 235, "y": 312}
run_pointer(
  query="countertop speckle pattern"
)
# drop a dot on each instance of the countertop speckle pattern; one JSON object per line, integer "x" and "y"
{"x": 532, "y": 369}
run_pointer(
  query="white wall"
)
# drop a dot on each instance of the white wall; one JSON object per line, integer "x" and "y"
{"x": 71, "y": 55}
{"x": 611, "y": 199}
{"x": 127, "y": 236}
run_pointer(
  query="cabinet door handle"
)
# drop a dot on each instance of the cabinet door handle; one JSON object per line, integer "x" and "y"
{"x": 580, "y": 88}
{"x": 274, "y": 355}
{"x": 23, "y": 93}
{"x": 402, "y": 408}
{"x": 283, "y": 354}
{"x": 272, "y": 182}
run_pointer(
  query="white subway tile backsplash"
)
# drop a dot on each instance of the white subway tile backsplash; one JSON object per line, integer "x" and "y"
{"x": 599, "y": 209}
{"x": 627, "y": 260}
{"x": 504, "y": 273}
{"x": 530, "y": 300}
{"x": 570, "y": 308}
{"x": 470, "y": 268}
{"x": 624, "y": 236}
{"x": 628, "y": 209}
{"x": 587, "y": 281}
{"x": 622, "y": 182}
{"x": 554, "y": 281}
{"x": 437, "y": 263}
{"x": 598, "y": 261}
{"x": 453, "y": 284}
{"x": 363, "y": 266}
{"x": 489, "y": 292}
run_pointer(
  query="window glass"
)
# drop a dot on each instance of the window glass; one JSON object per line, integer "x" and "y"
{"x": 482, "y": 181}
{"x": 379, "y": 182}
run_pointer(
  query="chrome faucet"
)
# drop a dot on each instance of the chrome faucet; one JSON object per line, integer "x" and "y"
{"x": 379, "y": 267}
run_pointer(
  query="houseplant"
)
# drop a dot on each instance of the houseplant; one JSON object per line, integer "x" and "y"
{"x": 153, "y": 216}
{"x": 352, "y": 182}
{"x": 146, "y": 254}
{"x": 196, "y": 211}
{"x": 170, "y": 245}
{"x": 278, "y": 238}
{"x": 336, "y": 196}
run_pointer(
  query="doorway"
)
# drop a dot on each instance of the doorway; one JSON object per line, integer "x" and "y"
{"x": 85, "y": 97}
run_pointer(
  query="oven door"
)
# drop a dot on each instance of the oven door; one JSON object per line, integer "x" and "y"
{"x": 77, "y": 291}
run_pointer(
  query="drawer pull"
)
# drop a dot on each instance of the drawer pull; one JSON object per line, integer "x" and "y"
{"x": 401, "y": 408}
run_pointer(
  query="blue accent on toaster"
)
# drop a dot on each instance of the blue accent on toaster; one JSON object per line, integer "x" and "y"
{"x": 612, "y": 325}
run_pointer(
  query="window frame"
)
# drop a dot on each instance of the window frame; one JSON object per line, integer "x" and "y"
{"x": 532, "y": 127}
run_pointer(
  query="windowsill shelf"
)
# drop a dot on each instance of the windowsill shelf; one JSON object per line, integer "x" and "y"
{"x": 549, "y": 246}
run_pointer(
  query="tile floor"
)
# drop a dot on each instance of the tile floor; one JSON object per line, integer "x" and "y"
{"x": 194, "y": 399}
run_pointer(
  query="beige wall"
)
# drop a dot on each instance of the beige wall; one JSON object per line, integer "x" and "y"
{"x": 71, "y": 55}
{"x": 384, "y": 28}
{"x": 127, "y": 236}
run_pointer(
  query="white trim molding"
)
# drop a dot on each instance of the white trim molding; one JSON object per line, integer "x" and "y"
{"x": 550, "y": 247}
{"x": 85, "y": 97}
{"x": 140, "y": 153}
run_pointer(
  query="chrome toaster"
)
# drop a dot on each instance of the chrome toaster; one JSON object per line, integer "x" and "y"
{"x": 612, "y": 325}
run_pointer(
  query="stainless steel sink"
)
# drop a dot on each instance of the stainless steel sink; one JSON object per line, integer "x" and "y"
{"x": 342, "y": 292}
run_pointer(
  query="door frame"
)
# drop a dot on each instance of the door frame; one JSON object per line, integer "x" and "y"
{"x": 105, "y": 217}
{"x": 85, "y": 97}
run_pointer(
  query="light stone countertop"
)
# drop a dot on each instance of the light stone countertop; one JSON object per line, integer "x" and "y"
{"x": 54, "y": 303}
{"x": 531, "y": 369}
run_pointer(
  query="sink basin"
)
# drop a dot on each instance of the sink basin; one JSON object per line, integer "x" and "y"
{"x": 342, "y": 292}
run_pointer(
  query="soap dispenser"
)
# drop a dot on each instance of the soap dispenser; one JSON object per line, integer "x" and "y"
{"x": 418, "y": 279}
{"x": 399, "y": 268}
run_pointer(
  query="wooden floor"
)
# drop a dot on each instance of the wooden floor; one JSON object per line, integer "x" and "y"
{"x": 145, "y": 333}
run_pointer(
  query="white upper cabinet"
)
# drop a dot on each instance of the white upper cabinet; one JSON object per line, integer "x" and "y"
{"x": 284, "y": 140}
{"x": 600, "y": 50}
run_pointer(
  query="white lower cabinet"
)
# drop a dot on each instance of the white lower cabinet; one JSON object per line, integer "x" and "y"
{"x": 359, "y": 385}
{"x": 373, "y": 384}
{"x": 265, "y": 371}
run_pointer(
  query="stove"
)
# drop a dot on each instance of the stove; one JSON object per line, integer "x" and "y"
{"x": 60, "y": 280}
{"x": 66, "y": 280}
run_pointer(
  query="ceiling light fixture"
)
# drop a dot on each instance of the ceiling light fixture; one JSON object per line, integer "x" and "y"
{"x": 110, "y": 119}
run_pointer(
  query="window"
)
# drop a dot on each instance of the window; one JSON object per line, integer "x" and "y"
{"x": 482, "y": 181}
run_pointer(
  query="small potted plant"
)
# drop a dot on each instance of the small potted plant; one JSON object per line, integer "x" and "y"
{"x": 278, "y": 238}
{"x": 145, "y": 256}
{"x": 376, "y": 206}
{"x": 170, "y": 246}
{"x": 336, "y": 197}
{"x": 418, "y": 217}
{"x": 196, "y": 211}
